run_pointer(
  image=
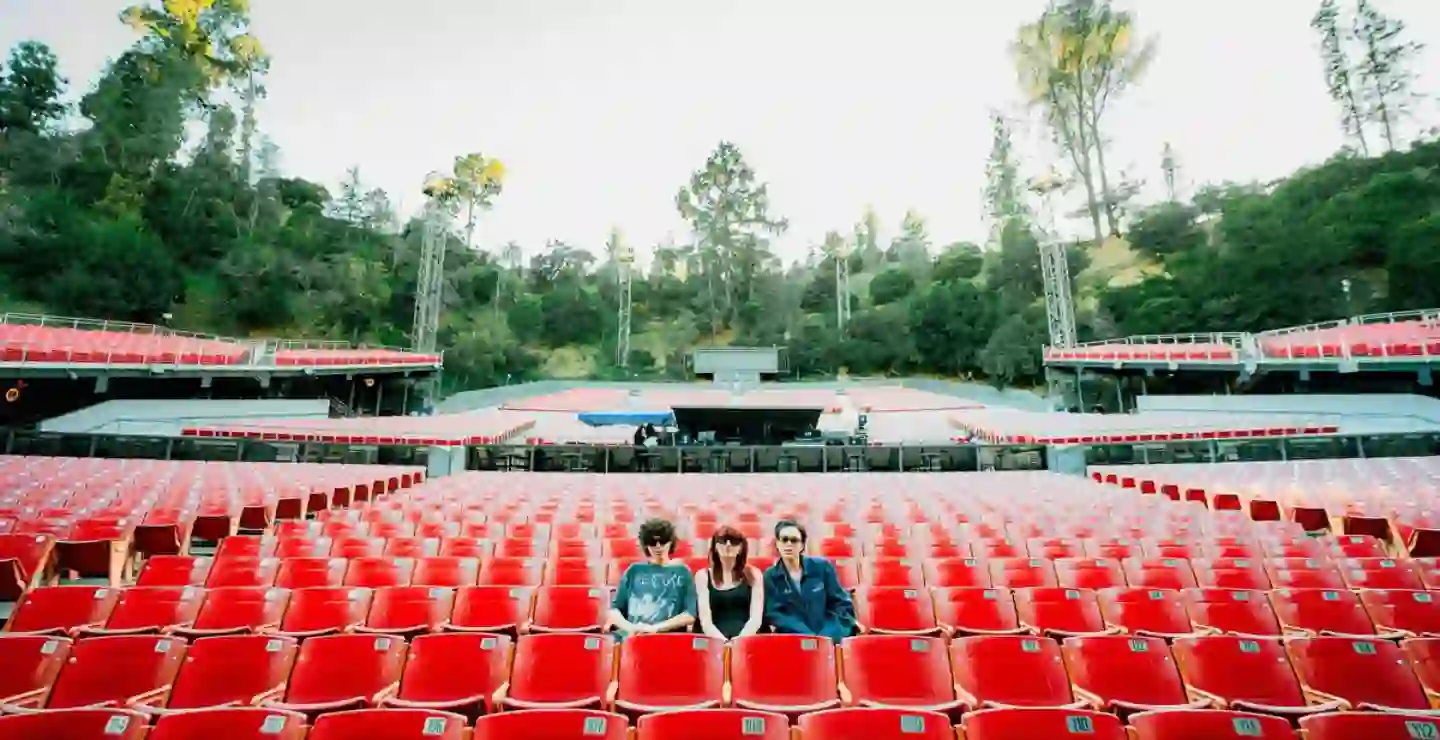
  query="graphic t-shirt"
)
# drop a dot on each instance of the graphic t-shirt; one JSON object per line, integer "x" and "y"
{"x": 651, "y": 594}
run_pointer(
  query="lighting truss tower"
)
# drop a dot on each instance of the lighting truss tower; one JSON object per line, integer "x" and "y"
{"x": 430, "y": 287}
{"x": 841, "y": 254}
{"x": 625, "y": 264}
{"x": 1055, "y": 268}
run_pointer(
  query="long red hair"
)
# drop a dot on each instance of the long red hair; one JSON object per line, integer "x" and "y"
{"x": 742, "y": 573}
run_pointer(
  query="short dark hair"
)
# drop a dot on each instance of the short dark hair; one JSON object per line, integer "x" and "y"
{"x": 656, "y": 530}
{"x": 784, "y": 523}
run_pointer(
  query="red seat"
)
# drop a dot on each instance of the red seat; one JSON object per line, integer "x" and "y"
{"x": 1195, "y": 724}
{"x": 236, "y": 670}
{"x": 1314, "y": 611}
{"x": 449, "y": 572}
{"x": 339, "y": 672}
{"x": 56, "y": 610}
{"x": 237, "y": 610}
{"x": 74, "y": 724}
{"x": 379, "y": 572}
{"x": 575, "y": 572}
{"x": 465, "y": 547}
{"x": 499, "y": 571}
{"x": 898, "y": 610}
{"x": 875, "y": 724}
{"x": 708, "y": 724}
{"x": 455, "y": 672}
{"x": 1166, "y": 572}
{"x": 1241, "y": 573}
{"x": 1410, "y": 613}
{"x": 1424, "y": 656}
{"x": 976, "y": 611}
{"x": 242, "y": 571}
{"x": 1145, "y": 611}
{"x": 660, "y": 672}
{"x": 31, "y": 664}
{"x": 1381, "y": 573}
{"x": 1242, "y": 673}
{"x": 245, "y": 546}
{"x": 956, "y": 573}
{"x": 570, "y": 609}
{"x": 412, "y": 547}
{"x": 119, "y": 670}
{"x": 499, "y": 609}
{"x": 320, "y": 611}
{"x": 389, "y": 724}
{"x": 1361, "y": 673}
{"x": 1112, "y": 548}
{"x": 1368, "y": 726}
{"x": 560, "y": 724}
{"x": 1054, "y": 548}
{"x": 1231, "y": 611}
{"x": 311, "y": 572}
{"x": 1125, "y": 673}
{"x": 408, "y": 610}
{"x": 300, "y": 547}
{"x": 584, "y": 684}
{"x": 1042, "y": 724}
{"x": 357, "y": 546}
{"x": 151, "y": 609}
{"x": 1010, "y": 670}
{"x": 786, "y": 674}
{"x": 1060, "y": 612}
{"x": 1016, "y": 573}
{"x": 23, "y": 561}
{"x": 1089, "y": 573}
{"x": 230, "y": 724}
{"x": 1300, "y": 573}
{"x": 897, "y": 671}
{"x": 174, "y": 570}
{"x": 892, "y": 573}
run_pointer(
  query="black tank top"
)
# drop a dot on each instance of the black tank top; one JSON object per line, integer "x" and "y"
{"x": 730, "y": 607}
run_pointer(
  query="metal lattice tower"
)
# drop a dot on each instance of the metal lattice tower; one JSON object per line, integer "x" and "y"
{"x": 1054, "y": 267}
{"x": 430, "y": 287}
{"x": 624, "y": 264}
{"x": 841, "y": 254}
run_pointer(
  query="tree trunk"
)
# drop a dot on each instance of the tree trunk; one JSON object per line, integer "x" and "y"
{"x": 1106, "y": 196}
{"x": 470, "y": 225}
{"x": 1080, "y": 154}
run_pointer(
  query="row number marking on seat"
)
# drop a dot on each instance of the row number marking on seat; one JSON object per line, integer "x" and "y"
{"x": 434, "y": 727}
{"x": 991, "y": 595}
{"x": 49, "y": 647}
{"x": 594, "y": 726}
{"x": 116, "y": 725}
{"x": 439, "y": 593}
{"x": 487, "y": 643}
{"x": 911, "y": 593}
{"x": 273, "y": 646}
{"x": 1249, "y": 646}
{"x": 1364, "y": 647}
{"x": 1247, "y": 727}
{"x": 1242, "y": 595}
{"x": 809, "y": 644}
{"x": 1422, "y": 597}
{"x": 700, "y": 643}
{"x": 382, "y": 644}
{"x": 1421, "y": 730}
{"x": 162, "y": 646}
{"x": 752, "y": 725}
{"x": 1139, "y": 646}
{"x": 594, "y": 593}
{"x": 1328, "y": 595}
{"x": 912, "y": 723}
{"x": 1030, "y": 646}
{"x": 592, "y": 643}
{"x": 272, "y": 724}
{"x": 1079, "y": 724}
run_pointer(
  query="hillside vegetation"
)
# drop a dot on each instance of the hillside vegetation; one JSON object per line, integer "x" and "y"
{"x": 107, "y": 209}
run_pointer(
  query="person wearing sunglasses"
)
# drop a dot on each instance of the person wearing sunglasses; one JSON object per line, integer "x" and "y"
{"x": 657, "y": 594}
{"x": 728, "y": 592}
{"x": 803, "y": 594}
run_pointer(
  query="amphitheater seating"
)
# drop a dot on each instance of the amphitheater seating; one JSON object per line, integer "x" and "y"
{"x": 1368, "y": 340}
{"x": 1010, "y": 426}
{"x": 1186, "y": 351}
{"x": 492, "y": 427}
{"x": 959, "y": 588}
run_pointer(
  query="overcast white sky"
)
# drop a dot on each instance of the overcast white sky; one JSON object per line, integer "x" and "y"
{"x": 600, "y": 109}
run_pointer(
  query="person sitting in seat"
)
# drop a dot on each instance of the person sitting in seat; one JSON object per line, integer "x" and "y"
{"x": 729, "y": 592}
{"x": 656, "y": 595}
{"x": 803, "y": 594}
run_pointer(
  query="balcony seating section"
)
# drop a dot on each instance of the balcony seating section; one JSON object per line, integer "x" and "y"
{"x": 486, "y": 427}
{"x": 1014, "y": 426}
{"x": 1398, "y": 339}
{"x": 1000, "y": 604}
{"x": 1156, "y": 352}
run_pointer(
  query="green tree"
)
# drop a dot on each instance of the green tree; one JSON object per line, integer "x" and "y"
{"x": 30, "y": 89}
{"x": 1386, "y": 72}
{"x": 892, "y": 285}
{"x": 1341, "y": 77}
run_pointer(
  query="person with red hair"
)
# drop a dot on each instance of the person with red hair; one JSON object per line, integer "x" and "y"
{"x": 728, "y": 591}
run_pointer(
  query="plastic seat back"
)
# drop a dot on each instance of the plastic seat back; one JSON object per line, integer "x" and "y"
{"x": 457, "y": 671}
{"x": 31, "y": 663}
{"x": 1010, "y": 670}
{"x": 505, "y": 571}
{"x": 896, "y": 610}
{"x": 1059, "y": 611}
{"x": 535, "y": 682}
{"x": 1017, "y": 573}
{"x": 153, "y": 609}
{"x": 174, "y": 570}
{"x": 234, "y": 669}
{"x": 1408, "y": 612}
{"x": 1042, "y": 724}
{"x": 409, "y": 610}
{"x": 1424, "y": 656}
{"x": 1208, "y": 724}
{"x": 1232, "y": 611}
{"x": 61, "y": 609}
{"x": 1381, "y": 573}
{"x": 658, "y": 672}
{"x": 1320, "y": 611}
{"x": 976, "y": 611}
{"x": 1089, "y": 573}
{"x": 339, "y": 672}
{"x": 712, "y": 724}
{"x": 1364, "y": 673}
{"x": 389, "y": 724}
{"x": 897, "y": 670}
{"x": 1241, "y": 573}
{"x": 239, "y": 609}
{"x": 499, "y": 609}
{"x": 230, "y": 724}
{"x": 875, "y": 724}
{"x": 117, "y": 669}
{"x": 1368, "y": 726}
{"x": 238, "y": 571}
{"x": 449, "y": 572}
{"x": 956, "y": 573}
{"x": 559, "y": 724}
{"x": 1242, "y": 671}
{"x": 74, "y": 724}
{"x": 788, "y": 674}
{"x": 317, "y": 611}
{"x": 1145, "y": 611}
{"x": 379, "y": 572}
{"x": 1124, "y": 672}
{"x": 297, "y": 573}
{"x": 1165, "y": 573}
{"x": 570, "y": 608}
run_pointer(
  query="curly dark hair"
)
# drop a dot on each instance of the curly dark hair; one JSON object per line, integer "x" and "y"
{"x": 655, "y": 531}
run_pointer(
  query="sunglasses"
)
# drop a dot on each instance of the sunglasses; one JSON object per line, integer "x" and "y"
{"x": 731, "y": 539}
{"x": 790, "y": 540}
{"x": 658, "y": 543}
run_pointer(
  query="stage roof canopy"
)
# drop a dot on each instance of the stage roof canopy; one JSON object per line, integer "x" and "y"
{"x": 627, "y": 418}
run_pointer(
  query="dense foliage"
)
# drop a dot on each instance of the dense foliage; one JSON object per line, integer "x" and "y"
{"x": 115, "y": 208}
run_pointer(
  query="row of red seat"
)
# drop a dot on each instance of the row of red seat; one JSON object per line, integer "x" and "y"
{"x": 412, "y": 609}
{"x": 475, "y": 674}
{"x": 711, "y": 724}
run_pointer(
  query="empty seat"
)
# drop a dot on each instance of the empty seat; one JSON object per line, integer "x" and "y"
{"x": 1125, "y": 673}
{"x": 1112, "y": 548}
{"x": 1241, "y": 573}
{"x": 1060, "y": 611}
{"x": 898, "y": 610}
{"x": 1015, "y": 573}
{"x": 570, "y": 609}
{"x": 584, "y": 684}
{"x": 230, "y": 724}
{"x": 389, "y": 724}
{"x": 659, "y": 672}
{"x": 408, "y": 610}
{"x": 1145, "y": 611}
{"x": 1042, "y": 724}
{"x": 455, "y": 672}
{"x": 786, "y": 674}
{"x": 1198, "y": 724}
{"x": 875, "y": 724}
{"x": 1243, "y": 673}
{"x": 319, "y": 611}
{"x": 976, "y": 611}
{"x": 174, "y": 570}
{"x": 1010, "y": 670}
{"x": 151, "y": 609}
{"x": 1231, "y": 611}
{"x": 339, "y": 672}
{"x": 1315, "y": 611}
{"x": 74, "y": 724}
{"x": 711, "y": 724}
{"x": 412, "y": 547}
{"x": 1381, "y": 573}
{"x": 892, "y": 573}
{"x": 299, "y": 547}
{"x": 311, "y": 572}
{"x": 575, "y": 572}
{"x": 1361, "y": 673}
{"x": 1368, "y": 726}
{"x": 31, "y": 663}
{"x": 1424, "y": 656}
{"x": 465, "y": 547}
{"x": 235, "y": 670}
{"x": 562, "y": 724}
{"x": 1091, "y": 573}
{"x": 500, "y": 571}
{"x": 897, "y": 671}
{"x": 450, "y": 572}
{"x": 379, "y": 572}
{"x": 236, "y": 610}
{"x": 357, "y": 546}
{"x": 1408, "y": 613}
{"x": 57, "y": 610}
{"x": 1298, "y": 573}
{"x": 23, "y": 561}
{"x": 242, "y": 571}
{"x": 956, "y": 573}
{"x": 498, "y": 609}
{"x": 1164, "y": 573}
{"x": 117, "y": 670}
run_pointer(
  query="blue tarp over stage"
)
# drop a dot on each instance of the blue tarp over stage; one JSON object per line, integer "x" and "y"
{"x": 627, "y": 418}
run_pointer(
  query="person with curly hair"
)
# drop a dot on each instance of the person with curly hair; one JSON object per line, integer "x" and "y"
{"x": 657, "y": 594}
